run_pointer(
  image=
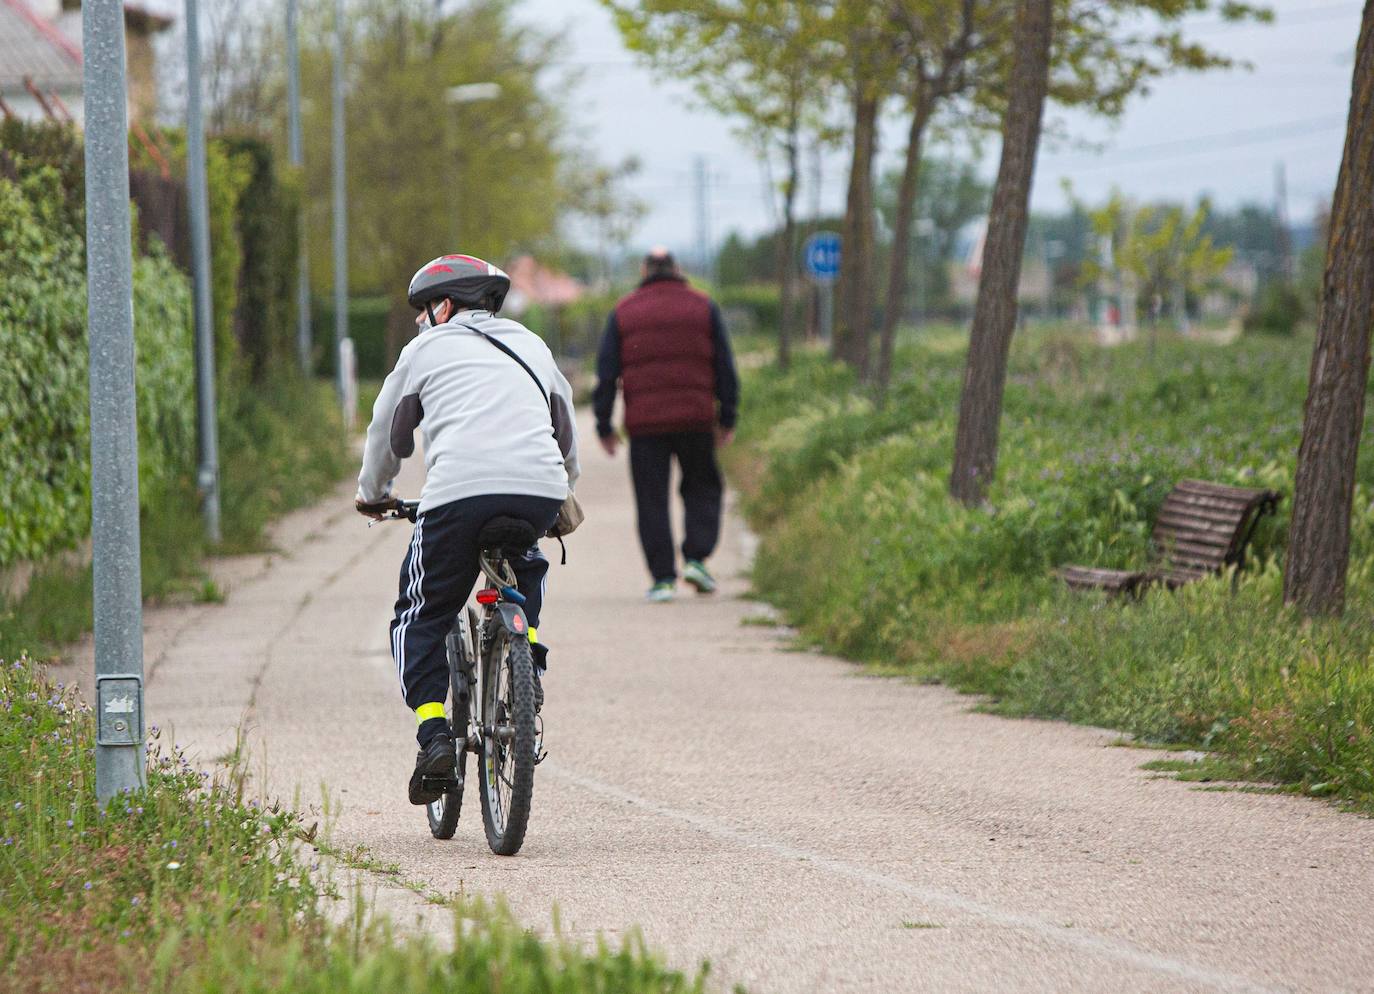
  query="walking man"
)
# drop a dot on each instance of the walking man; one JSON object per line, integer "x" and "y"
{"x": 666, "y": 348}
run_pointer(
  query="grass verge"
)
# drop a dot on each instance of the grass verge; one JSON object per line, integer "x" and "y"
{"x": 189, "y": 887}
{"x": 282, "y": 446}
{"x": 866, "y": 554}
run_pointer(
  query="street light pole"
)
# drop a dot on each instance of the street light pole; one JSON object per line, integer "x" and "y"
{"x": 293, "y": 99}
{"x": 117, "y": 568}
{"x": 208, "y": 477}
{"x": 340, "y": 209}
{"x": 465, "y": 93}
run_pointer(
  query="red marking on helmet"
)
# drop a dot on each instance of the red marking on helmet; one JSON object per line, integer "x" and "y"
{"x": 438, "y": 268}
{"x": 467, "y": 258}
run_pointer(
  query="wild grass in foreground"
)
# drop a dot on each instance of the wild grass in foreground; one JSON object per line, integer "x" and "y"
{"x": 188, "y": 887}
{"x": 863, "y": 549}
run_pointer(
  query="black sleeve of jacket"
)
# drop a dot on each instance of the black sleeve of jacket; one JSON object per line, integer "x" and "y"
{"x": 727, "y": 380}
{"x": 607, "y": 377}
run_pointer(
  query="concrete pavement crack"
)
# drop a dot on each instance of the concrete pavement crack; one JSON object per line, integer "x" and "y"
{"x": 305, "y": 600}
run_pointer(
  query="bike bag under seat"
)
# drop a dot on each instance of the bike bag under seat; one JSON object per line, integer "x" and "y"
{"x": 512, "y": 537}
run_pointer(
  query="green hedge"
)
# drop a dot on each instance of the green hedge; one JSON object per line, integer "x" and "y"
{"x": 367, "y": 328}
{"x": 760, "y": 301}
{"x": 44, "y": 457}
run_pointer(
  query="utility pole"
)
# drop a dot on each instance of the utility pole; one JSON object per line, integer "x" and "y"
{"x": 208, "y": 429}
{"x": 293, "y": 100}
{"x": 702, "y": 184}
{"x": 340, "y": 210}
{"x": 1285, "y": 245}
{"x": 117, "y": 569}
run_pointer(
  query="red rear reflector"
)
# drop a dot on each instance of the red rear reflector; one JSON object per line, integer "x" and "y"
{"x": 488, "y": 596}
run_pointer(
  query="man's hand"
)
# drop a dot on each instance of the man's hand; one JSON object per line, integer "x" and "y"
{"x": 375, "y": 509}
{"x": 610, "y": 443}
{"x": 724, "y": 436}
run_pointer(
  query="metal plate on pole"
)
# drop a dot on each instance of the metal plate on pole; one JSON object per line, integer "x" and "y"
{"x": 116, "y": 563}
{"x": 821, "y": 256}
{"x": 119, "y": 709}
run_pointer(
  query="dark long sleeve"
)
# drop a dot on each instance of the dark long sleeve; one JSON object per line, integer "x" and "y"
{"x": 727, "y": 380}
{"x": 607, "y": 378}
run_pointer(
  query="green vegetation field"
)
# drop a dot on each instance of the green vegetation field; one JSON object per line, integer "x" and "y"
{"x": 867, "y": 555}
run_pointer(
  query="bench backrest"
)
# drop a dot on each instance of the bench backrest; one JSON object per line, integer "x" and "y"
{"x": 1204, "y": 526}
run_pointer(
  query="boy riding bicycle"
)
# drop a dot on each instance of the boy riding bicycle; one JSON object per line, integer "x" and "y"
{"x": 492, "y": 448}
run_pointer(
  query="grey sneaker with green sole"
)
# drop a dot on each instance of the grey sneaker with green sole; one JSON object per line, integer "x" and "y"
{"x": 661, "y": 593}
{"x": 695, "y": 574}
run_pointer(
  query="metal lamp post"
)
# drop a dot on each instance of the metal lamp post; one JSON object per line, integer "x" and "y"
{"x": 293, "y": 96}
{"x": 466, "y": 93}
{"x": 117, "y": 568}
{"x": 208, "y": 429}
{"x": 340, "y": 211}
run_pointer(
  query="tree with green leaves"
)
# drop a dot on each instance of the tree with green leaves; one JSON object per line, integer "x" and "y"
{"x": 756, "y": 61}
{"x": 1167, "y": 251}
{"x": 946, "y": 48}
{"x": 1096, "y": 54}
{"x": 950, "y": 195}
{"x": 1333, "y": 418}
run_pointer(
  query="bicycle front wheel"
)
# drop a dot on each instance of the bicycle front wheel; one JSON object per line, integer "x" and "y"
{"x": 508, "y": 742}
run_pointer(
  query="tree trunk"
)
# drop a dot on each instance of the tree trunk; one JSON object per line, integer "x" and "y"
{"x": 901, "y": 244}
{"x": 787, "y": 263}
{"x": 856, "y": 265}
{"x": 994, "y": 313}
{"x": 1333, "y": 418}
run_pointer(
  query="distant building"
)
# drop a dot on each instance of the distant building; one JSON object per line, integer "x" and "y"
{"x": 535, "y": 285}
{"x": 40, "y": 59}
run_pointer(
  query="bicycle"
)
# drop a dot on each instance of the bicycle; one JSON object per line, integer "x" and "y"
{"x": 491, "y": 710}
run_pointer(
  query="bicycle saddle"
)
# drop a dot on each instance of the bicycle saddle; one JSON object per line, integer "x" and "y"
{"x": 511, "y": 536}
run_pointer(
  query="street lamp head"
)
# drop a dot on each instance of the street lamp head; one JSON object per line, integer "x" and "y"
{"x": 467, "y": 93}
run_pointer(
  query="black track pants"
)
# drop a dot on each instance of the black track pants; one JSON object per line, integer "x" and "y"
{"x": 437, "y": 575}
{"x": 650, "y": 461}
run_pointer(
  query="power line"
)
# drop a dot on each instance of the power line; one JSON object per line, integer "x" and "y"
{"x": 1206, "y": 144}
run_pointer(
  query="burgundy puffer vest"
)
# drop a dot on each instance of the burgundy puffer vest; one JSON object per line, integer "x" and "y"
{"x": 667, "y": 359}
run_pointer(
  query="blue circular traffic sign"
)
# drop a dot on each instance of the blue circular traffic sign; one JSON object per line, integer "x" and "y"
{"x": 821, "y": 256}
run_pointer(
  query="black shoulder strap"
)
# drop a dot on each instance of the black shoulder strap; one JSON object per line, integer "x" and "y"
{"x": 523, "y": 365}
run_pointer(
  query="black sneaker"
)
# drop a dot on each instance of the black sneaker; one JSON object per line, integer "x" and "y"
{"x": 436, "y": 771}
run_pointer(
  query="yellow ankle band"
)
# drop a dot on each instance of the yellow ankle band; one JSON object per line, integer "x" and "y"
{"x": 534, "y": 636}
{"x": 434, "y": 709}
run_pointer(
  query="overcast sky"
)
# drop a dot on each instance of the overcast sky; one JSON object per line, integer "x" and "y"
{"x": 1221, "y": 133}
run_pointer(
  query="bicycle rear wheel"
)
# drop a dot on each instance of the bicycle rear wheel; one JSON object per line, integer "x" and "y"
{"x": 443, "y": 813}
{"x": 508, "y": 742}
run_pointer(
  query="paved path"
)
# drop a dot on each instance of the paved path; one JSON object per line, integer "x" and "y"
{"x": 804, "y": 827}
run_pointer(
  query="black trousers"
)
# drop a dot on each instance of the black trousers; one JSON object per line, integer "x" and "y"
{"x": 650, "y": 462}
{"x": 437, "y": 575}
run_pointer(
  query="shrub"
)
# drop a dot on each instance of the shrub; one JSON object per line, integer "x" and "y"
{"x": 1278, "y": 310}
{"x": 759, "y": 303}
{"x": 44, "y": 451}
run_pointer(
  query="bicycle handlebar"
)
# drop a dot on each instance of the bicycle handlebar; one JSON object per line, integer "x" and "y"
{"x": 402, "y": 510}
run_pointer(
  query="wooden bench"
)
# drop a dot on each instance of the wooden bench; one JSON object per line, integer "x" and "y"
{"x": 1202, "y": 528}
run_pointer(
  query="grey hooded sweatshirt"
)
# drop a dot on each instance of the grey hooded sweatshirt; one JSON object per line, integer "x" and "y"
{"x": 485, "y": 425}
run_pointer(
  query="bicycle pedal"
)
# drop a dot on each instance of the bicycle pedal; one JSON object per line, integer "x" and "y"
{"x": 540, "y": 756}
{"x": 443, "y": 784}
